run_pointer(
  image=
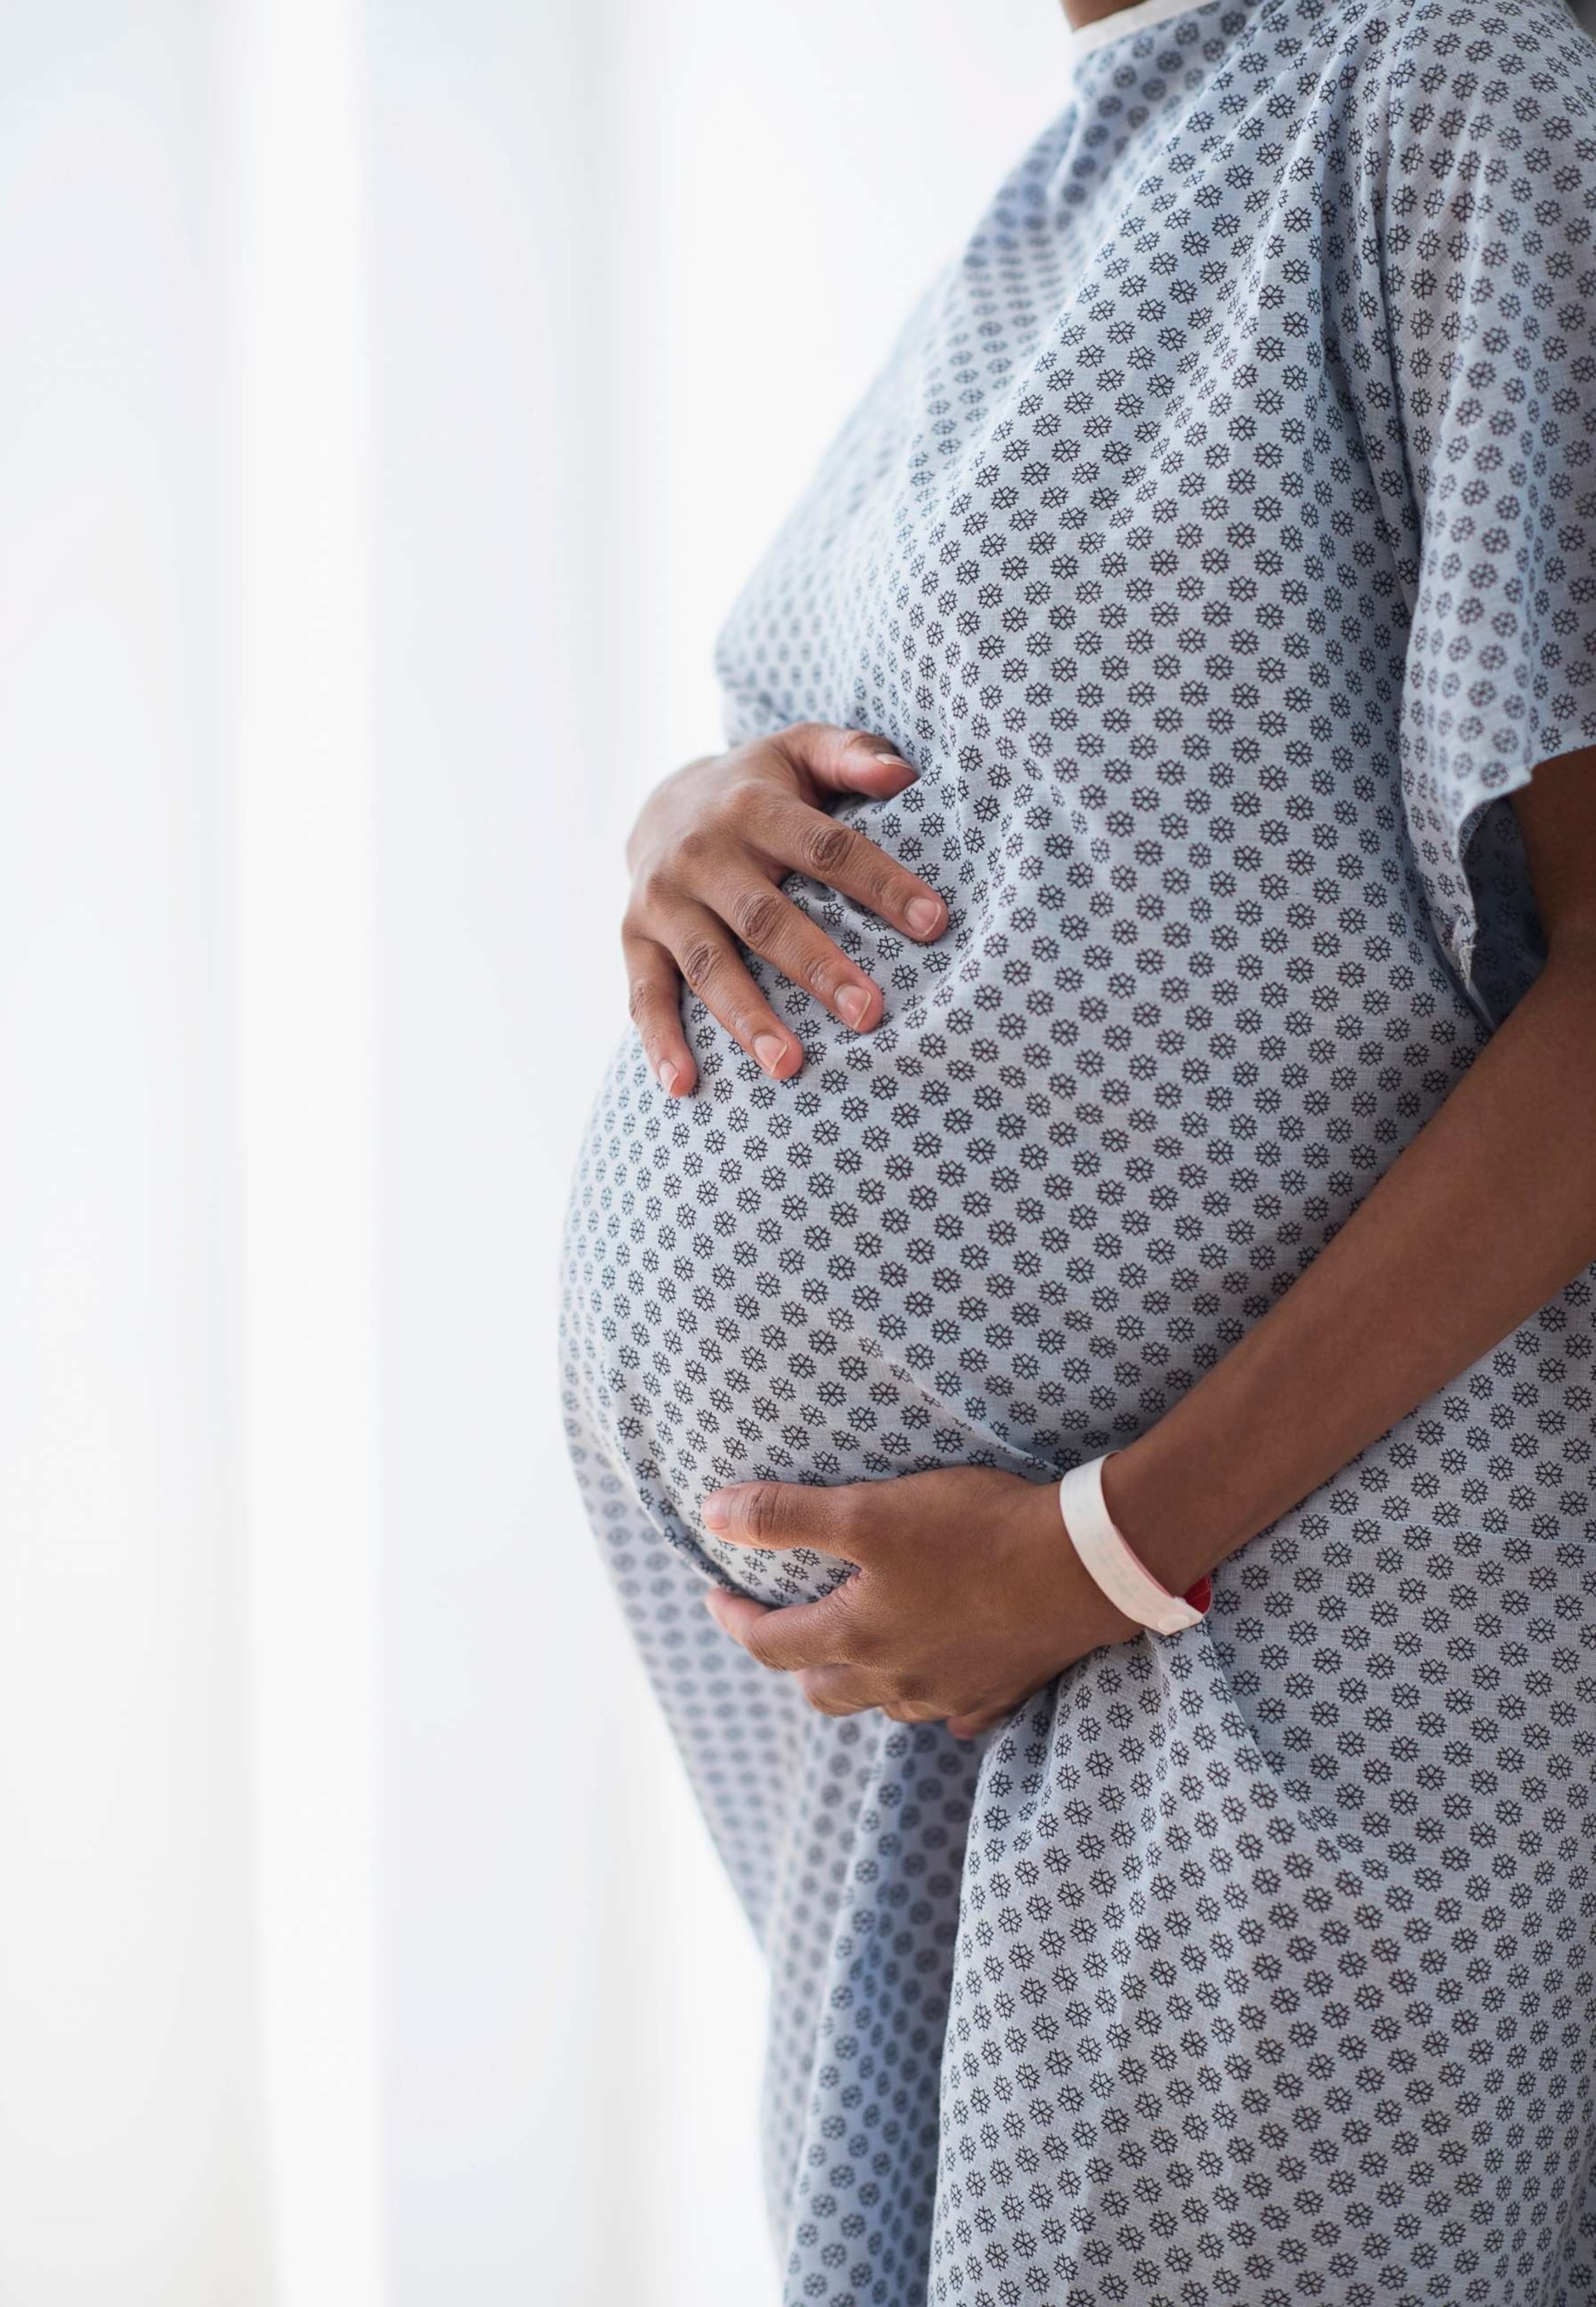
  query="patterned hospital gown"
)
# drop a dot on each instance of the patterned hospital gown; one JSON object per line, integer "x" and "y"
{"x": 1217, "y": 542}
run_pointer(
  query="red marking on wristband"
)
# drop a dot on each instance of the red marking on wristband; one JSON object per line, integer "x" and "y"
{"x": 1200, "y": 1595}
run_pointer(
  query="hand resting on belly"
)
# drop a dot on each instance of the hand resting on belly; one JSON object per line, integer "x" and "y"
{"x": 708, "y": 854}
{"x": 967, "y": 1596}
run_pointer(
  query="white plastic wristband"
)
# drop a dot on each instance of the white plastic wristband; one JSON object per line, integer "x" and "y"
{"x": 1109, "y": 1563}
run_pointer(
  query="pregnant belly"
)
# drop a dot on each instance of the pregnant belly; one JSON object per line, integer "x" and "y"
{"x": 748, "y": 1293}
{"x": 1010, "y": 1227}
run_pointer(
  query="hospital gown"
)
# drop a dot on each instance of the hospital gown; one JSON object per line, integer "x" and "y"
{"x": 1216, "y": 541}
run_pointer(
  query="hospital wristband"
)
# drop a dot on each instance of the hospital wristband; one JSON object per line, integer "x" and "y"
{"x": 1109, "y": 1562}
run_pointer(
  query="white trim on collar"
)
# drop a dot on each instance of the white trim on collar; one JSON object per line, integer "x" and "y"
{"x": 1144, "y": 13}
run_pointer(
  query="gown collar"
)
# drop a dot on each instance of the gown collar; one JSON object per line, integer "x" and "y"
{"x": 1085, "y": 39}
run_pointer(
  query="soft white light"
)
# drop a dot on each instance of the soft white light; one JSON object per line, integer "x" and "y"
{"x": 307, "y": 1128}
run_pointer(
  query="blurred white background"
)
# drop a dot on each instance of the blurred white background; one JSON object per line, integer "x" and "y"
{"x": 392, "y": 399}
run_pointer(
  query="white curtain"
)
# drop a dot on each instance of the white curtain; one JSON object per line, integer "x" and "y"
{"x": 392, "y": 398}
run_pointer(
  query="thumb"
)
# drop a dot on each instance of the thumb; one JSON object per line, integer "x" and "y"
{"x": 848, "y": 761}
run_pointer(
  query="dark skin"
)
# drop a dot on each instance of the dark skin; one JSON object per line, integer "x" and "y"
{"x": 707, "y": 855}
{"x": 966, "y": 1597}
{"x": 1092, "y": 11}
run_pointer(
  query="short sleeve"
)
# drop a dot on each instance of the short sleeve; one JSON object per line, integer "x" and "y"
{"x": 1485, "y": 216}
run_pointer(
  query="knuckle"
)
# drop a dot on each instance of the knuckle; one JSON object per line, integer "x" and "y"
{"x": 758, "y": 1510}
{"x": 743, "y": 795}
{"x": 821, "y": 976}
{"x": 700, "y": 959}
{"x": 757, "y": 916}
{"x": 864, "y": 1643}
{"x": 826, "y": 849}
{"x": 693, "y": 853}
{"x": 652, "y": 889}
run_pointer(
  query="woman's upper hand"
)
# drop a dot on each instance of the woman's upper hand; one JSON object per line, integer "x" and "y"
{"x": 706, "y": 855}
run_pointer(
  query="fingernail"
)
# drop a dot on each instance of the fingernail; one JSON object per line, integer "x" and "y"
{"x": 669, "y": 1075}
{"x": 853, "y": 1002}
{"x": 922, "y": 914}
{"x": 716, "y": 1511}
{"x": 770, "y": 1049}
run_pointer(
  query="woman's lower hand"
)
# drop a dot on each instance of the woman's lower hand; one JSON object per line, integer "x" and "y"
{"x": 706, "y": 855}
{"x": 968, "y": 1597}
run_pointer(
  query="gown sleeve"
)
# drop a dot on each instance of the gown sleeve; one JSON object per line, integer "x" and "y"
{"x": 1481, "y": 268}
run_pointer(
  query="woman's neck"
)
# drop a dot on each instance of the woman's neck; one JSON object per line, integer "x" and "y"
{"x": 1092, "y": 11}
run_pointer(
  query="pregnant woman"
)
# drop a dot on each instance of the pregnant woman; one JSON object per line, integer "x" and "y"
{"x": 1140, "y": 1025}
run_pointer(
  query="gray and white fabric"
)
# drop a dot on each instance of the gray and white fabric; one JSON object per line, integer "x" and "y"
{"x": 1218, "y": 544}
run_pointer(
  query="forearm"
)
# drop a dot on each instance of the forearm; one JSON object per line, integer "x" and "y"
{"x": 1487, "y": 1215}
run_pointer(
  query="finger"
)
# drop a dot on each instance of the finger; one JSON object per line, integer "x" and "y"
{"x": 655, "y": 1005}
{"x": 844, "y": 858}
{"x": 829, "y": 1518}
{"x": 771, "y": 924}
{"x": 844, "y": 760}
{"x": 838, "y": 1689}
{"x": 708, "y": 961}
{"x": 799, "y": 1635}
{"x": 736, "y": 1615}
{"x": 913, "y": 1710}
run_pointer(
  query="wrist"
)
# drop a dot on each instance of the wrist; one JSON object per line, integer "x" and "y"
{"x": 1171, "y": 1509}
{"x": 1063, "y": 1595}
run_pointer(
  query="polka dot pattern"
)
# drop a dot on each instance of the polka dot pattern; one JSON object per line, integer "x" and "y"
{"x": 1217, "y": 543}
